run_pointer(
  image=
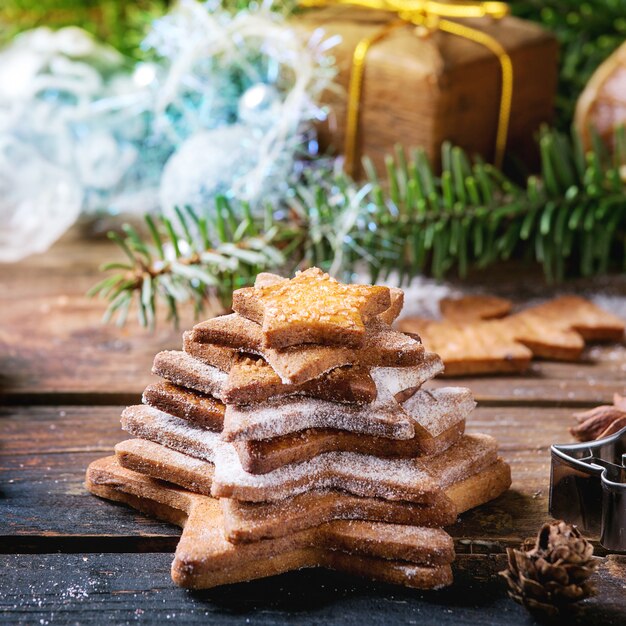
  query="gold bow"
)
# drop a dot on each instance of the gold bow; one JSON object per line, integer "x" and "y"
{"x": 431, "y": 15}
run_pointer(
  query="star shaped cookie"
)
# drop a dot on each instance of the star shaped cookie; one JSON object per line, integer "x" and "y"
{"x": 408, "y": 555}
{"x": 477, "y": 336}
{"x": 219, "y": 340}
{"x": 251, "y": 380}
{"x": 252, "y": 521}
{"x": 312, "y": 307}
{"x": 438, "y": 415}
{"x": 417, "y": 480}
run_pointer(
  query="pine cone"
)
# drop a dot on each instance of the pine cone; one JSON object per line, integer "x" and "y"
{"x": 552, "y": 573}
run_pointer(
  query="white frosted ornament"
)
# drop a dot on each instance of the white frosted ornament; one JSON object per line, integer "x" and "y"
{"x": 38, "y": 200}
{"x": 207, "y": 164}
{"x": 259, "y": 105}
{"x": 102, "y": 161}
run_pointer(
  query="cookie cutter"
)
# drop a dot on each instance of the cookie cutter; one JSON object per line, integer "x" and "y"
{"x": 588, "y": 487}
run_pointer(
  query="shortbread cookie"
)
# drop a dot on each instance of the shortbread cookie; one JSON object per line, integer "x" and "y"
{"x": 194, "y": 406}
{"x": 246, "y": 521}
{"x": 413, "y": 556}
{"x": 382, "y": 346}
{"x": 592, "y": 322}
{"x": 185, "y": 371}
{"x": 163, "y": 463}
{"x": 274, "y": 418}
{"x": 251, "y": 521}
{"x": 222, "y": 357}
{"x": 266, "y": 279}
{"x": 312, "y": 307}
{"x": 283, "y": 416}
{"x": 147, "y": 417}
{"x": 266, "y": 455}
{"x": 439, "y": 421}
{"x": 438, "y": 416}
{"x": 252, "y": 380}
{"x": 473, "y": 348}
{"x": 544, "y": 338}
{"x": 414, "y": 480}
{"x": 554, "y": 330}
{"x": 474, "y": 308}
{"x": 149, "y": 423}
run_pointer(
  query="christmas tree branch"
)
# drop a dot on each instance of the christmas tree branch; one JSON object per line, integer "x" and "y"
{"x": 571, "y": 219}
{"x": 195, "y": 259}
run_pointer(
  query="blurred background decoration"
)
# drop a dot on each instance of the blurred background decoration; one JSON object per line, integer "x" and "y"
{"x": 221, "y": 103}
{"x": 216, "y": 121}
{"x": 123, "y": 25}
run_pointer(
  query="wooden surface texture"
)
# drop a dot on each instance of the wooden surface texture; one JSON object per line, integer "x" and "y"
{"x": 70, "y": 558}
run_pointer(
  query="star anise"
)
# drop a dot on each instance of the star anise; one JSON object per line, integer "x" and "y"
{"x": 601, "y": 421}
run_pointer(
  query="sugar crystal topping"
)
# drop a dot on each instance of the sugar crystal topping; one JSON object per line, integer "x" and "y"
{"x": 313, "y": 296}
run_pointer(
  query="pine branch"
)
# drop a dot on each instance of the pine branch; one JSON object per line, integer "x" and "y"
{"x": 194, "y": 259}
{"x": 571, "y": 220}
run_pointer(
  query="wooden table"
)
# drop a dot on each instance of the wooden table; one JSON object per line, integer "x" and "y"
{"x": 70, "y": 558}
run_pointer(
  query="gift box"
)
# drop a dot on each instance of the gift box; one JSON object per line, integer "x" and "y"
{"x": 422, "y": 85}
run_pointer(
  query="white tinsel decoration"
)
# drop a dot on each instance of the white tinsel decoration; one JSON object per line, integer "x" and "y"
{"x": 195, "y": 32}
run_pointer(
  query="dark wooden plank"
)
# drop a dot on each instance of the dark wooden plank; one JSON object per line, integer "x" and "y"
{"x": 58, "y": 348}
{"x": 132, "y": 588}
{"x": 53, "y": 346}
{"x": 47, "y": 508}
{"x": 43, "y": 457}
{"x": 589, "y": 382}
{"x": 46, "y": 450}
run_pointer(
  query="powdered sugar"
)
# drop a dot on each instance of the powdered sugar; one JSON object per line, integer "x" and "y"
{"x": 280, "y": 417}
{"x": 149, "y": 423}
{"x": 397, "y": 379}
{"x": 439, "y": 409}
{"x": 413, "y": 480}
{"x": 356, "y": 473}
{"x": 470, "y": 455}
{"x": 182, "y": 369}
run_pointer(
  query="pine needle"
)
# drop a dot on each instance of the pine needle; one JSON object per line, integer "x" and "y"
{"x": 571, "y": 220}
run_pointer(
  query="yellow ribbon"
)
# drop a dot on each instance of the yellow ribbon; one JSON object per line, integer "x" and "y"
{"x": 432, "y": 16}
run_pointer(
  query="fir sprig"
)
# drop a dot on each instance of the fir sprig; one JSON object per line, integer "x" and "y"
{"x": 571, "y": 219}
{"x": 193, "y": 259}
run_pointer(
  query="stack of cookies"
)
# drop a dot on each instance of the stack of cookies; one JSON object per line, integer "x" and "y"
{"x": 295, "y": 432}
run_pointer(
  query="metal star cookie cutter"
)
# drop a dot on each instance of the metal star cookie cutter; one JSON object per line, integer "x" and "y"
{"x": 588, "y": 487}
